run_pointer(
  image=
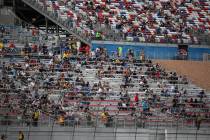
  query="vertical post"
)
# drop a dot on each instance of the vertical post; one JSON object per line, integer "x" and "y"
{"x": 57, "y": 29}
{"x": 94, "y": 135}
{"x": 115, "y": 133}
{"x": 176, "y": 128}
{"x": 166, "y": 134}
{"x": 14, "y": 9}
{"x": 1, "y": 4}
{"x": 29, "y": 130}
{"x": 156, "y": 134}
{"x": 136, "y": 127}
{"x": 2, "y": 57}
{"x": 46, "y": 25}
{"x": 52, "y": 129}
{"x": 124, "y": 123}
{"x": 196, "y": 135}
{"x": 73, "y": 131}
{"x": 7, "y": 123}
{"x": 13, "y": 4}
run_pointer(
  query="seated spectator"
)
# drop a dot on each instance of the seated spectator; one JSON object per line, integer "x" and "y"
{"x": 61, "y": 120}
{"x": 145, "y": 106}
{"x": 1, "y": 46}
{"x": 136, "y": 98}
{"x": 201, "y": 95}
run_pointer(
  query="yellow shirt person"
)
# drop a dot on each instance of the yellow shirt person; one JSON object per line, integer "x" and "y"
{"x": 61, "y": 120}
{"x": 20, "y": 135}
{"x": 1, "y": 46}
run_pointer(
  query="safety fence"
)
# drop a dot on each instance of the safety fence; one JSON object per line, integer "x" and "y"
{"x": 49, "y": 130}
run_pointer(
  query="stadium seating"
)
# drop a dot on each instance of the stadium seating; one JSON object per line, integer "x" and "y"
{"x": 77, "y": 86}
{"x": 160, "y": 21}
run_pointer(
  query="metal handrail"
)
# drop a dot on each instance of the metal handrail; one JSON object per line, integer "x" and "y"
{"x": 42, "y": 10}
{"x": 129, "y": 122}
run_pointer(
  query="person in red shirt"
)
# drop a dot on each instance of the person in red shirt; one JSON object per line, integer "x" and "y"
{"x": 11, "y": 45}
{"x": 157, "y": 75}
{"x": 33, "y": 32}
{"x": 34, "y": 48}
{"x": 87, "y": 50}
{"x": 136, "y": 98}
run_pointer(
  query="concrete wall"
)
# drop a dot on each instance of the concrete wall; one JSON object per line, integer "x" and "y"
{"x": 154, "y": 51}
{"x": 5, "y": 16}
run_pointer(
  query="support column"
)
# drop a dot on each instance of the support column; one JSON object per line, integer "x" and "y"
{"x": 57, "y": 29}
{"x": 46, "y": 25}
{"x": 13, "y": 4}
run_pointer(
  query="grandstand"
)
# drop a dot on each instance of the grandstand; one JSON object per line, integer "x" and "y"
{"x": 96, "y": 73}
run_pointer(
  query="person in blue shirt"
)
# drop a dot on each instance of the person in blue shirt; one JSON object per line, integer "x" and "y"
{"x": 14, "y": 73}
{"x": 145, "y": 105}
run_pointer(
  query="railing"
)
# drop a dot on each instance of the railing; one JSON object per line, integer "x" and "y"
{"x": 114, "y": 122}
{"x": 206, "y": 57}
{"x": 71, "y": 28}
{"x": 17, "y": 34}
{"x": 110, "y": 34}
{"x": 134, "y": 129}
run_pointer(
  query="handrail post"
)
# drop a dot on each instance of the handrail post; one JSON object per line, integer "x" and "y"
{"x": 73, "y": 131}
{"x": 177, "y": 128}
{"x": 124, "y": 122}
{"x": 136, "y": 127}
{"x": 156, "y": 134}
{"x": 7, "y": 123}
{"x": 52, "y": 129}
{"x": 115, "y": 133}
{"x": 196, "y": 134}
{"x": 94, "y": 135}
{"x": 29, "y": 130}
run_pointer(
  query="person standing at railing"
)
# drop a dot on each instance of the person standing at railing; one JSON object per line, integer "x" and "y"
{"x": 89, "y": 119}
{"x": 140, "y": 120}
{"x": 61, "y": 120}
{"x": 104, "y": 117}
{"x": 26, "y": 117}
{"x": 20, "y": 135}
{"x": 35, "y": 118}
{"x": 119, "y": 51}
{"x": 3, "y": 137}
{"x": 6, "y": 120}
{"x": 198, "y": 121}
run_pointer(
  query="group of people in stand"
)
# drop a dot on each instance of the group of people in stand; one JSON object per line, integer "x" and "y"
{"x": 35, "y": 80}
